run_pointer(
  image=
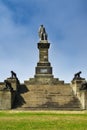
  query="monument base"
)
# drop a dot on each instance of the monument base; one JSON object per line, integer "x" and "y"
{"x": 49, "y": 97}
{"x": 45, "y": 79}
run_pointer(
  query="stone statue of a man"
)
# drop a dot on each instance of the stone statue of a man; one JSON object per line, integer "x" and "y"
{"x": 42, "y": 33}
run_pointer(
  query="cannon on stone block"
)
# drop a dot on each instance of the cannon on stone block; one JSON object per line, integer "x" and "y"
{"x": 13, "y": 74}
{"x": 77, "y": 75}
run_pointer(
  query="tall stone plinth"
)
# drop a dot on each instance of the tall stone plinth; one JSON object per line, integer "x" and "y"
{"x": 43, "y": 69}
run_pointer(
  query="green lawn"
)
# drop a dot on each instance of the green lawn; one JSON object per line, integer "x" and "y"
{"x": 45, "y": 120}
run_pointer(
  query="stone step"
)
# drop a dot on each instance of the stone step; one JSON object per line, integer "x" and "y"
{"x": 44, "y": 108}
{"x": 47, "y": 97}
{"x": 67, "y": 103}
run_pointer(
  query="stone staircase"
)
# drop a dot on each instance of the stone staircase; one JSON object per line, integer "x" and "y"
{"x": 47, "y": 97}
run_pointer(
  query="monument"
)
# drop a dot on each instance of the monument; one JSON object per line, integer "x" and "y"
{"x": 43, "y": 70}
{"x": 43, "y": 91}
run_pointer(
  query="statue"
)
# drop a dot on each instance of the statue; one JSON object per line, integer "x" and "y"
{"x": 77, "y": 75}
{"x": 42, "y": 33}
{"x": 13, "y": 74}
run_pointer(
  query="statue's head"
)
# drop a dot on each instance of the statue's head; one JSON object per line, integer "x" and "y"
{"x": 41, "y": 25}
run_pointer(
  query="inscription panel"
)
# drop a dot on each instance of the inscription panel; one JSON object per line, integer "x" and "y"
{"x": 43, "y": 70}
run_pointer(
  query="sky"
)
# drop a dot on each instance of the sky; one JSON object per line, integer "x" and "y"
{"x": 66, "y": 24}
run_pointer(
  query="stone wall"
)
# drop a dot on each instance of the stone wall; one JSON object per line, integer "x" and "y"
{"x": 6, "y": 100}
{"x": 81, "y": 94}
{"x": 7, "y": 96}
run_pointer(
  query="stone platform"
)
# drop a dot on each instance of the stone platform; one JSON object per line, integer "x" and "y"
{"x": 48, "y": 97}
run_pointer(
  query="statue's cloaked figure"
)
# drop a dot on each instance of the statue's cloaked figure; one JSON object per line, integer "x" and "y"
{"x": 42, "y": 33}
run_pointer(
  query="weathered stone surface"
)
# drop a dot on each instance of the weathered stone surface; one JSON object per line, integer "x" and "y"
{"x": 14, "y": 83}
{"x": 43, "y": 68}
{"x": 50, "y": 97}
{"x": 6, "y": 99}
{"x": 80, "y": 94}
{"x": 7, "y": 95}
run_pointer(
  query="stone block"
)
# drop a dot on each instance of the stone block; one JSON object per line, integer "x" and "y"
{"x": 5, "y": 100}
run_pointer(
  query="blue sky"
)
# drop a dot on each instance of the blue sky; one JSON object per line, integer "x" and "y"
{"x": 66, "y": 24}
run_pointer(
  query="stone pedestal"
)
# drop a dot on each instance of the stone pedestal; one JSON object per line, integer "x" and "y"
{"x": 14, "y": 83}
{"x": 81, "y": 94}
{"x": 76, "y": 84}
{"x": 6, "y": 99}
{"x": 7, "y": 95}
{"x": 43, "y": 69}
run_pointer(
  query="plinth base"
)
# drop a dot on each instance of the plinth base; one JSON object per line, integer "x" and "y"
{"x": 44, "y": 80}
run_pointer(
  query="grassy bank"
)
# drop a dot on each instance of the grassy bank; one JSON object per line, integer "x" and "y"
{"x": 15, "y": 120}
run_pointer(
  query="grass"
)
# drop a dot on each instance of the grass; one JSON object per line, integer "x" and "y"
{"x": 43, "y": 120}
